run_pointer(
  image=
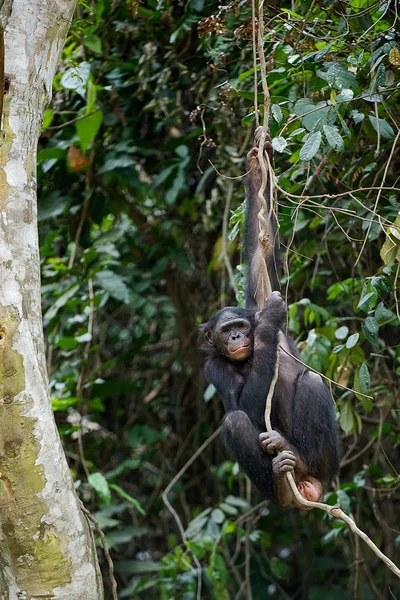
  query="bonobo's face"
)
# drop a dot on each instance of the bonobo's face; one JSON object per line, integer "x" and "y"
{"x": 232, "y": 336}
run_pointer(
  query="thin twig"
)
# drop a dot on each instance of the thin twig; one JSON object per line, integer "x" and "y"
{"x": 173, "y": 511}
{"x": 91, "y": 518}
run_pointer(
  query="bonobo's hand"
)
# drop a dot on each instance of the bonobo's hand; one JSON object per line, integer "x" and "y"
{"x": 284, "y": 462}
{"x": 274, "y": 311}
{"x": 267, "y": 143}
{"x": 272, "y": 442}
{"x": 252, "y": 156}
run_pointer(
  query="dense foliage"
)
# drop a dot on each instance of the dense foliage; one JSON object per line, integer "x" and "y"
{"x": 139, "y": 167}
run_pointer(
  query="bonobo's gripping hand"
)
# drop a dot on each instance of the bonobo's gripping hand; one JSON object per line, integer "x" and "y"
{"x": 283, "y": 463}
{"x": 252, "y": 156}
{"x": 273, "y": 314}
{"x": 272, "y": 442}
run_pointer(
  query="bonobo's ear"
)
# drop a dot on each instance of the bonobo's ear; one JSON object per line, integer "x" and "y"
{"x": 209, "y": 337}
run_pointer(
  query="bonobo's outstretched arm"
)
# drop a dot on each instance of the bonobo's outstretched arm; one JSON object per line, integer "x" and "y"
{"x": 253, "y": 206}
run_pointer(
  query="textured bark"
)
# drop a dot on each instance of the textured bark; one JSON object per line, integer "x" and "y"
{"x": 46, "y": 548}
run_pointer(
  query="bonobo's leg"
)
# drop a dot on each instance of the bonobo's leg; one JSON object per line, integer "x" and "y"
{"x": 313, "y": 428}
{"x": 252, "y": 247}
{"x": 242, "y": 440}
{"x": 309, "y": 487}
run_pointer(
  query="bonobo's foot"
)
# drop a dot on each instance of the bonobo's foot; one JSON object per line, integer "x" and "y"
{"x": 253, "y": 154}
{"x": 283, "y": 463}
{"x": 272, "y": 442}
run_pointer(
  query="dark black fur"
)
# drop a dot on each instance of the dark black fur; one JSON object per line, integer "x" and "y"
{"x": 302, "y": 408}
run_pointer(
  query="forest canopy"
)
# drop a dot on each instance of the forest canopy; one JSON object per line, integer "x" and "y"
{"x": 140, "y": 186}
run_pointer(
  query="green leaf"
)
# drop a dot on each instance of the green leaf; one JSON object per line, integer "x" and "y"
{"x": 279, "y": 144}
{"x": 277, "y": 113}
{"x": 59, "y": 303}
{"x": 88, "y": 128}
{"x": 342, "y": 333}
{"x": 352, "y": 341}
{"x": 67, "y": 343}
{"x": 47, "y": 118}
{"x": 385, "y": 129}
{"x": 114, "y": 285}
{"x": 93, "y": 42}
{"x": 357, "y": 116}
{"x": 63, "y": 403}
{"x": 311, "y": 146}
{"x": 333, "y": 137}
{"x": 209, "y": 393}
{"x": 382, "y": 313}
{"x": 312, "y": 113}
{"x": 346, "y": 419}
{"x": 390, "y": 251}
{"x": 127, "y": 497}
{"x": 280, "y": 569}
{"x": 365, "y": 380}
{"x": 100, "y": 485}
{"x": 76, "y": 78}
{"x": 248, "y": 119}
{"x": 371, "y": 337}
{"x": 218, "y": 516}
{"x": 372, "y": 325}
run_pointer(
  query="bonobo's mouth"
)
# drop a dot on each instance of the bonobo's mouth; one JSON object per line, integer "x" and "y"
{"x": 240, "y": 352}
{"x": 240, "y": 348}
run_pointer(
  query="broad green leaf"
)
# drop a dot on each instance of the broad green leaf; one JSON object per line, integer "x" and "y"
{"x": 311, "y": 146}
{"x": 88, "y": 128}
{"x": 59, "y": 303}
{"x": 312, "y": 113}
{"x": 372, "y": 325}
{"x": 100, "y": 484}
{"x": 385, "y": 129}
{"x": 390, "y": 251}
{"x": 371, "y": 337}
{"x": 342, "y": 333}
{"x": 76, "y": 77}
{"x": 279, "y": 144}
{"x": 352, "y": 341}
{"x": 93, "y": 42}
{"x": 229, "y": 510}
{"x": 277, "y": 113}
{"x": 365, "y": 380}
{"x": 67, "y": 343}
{"x": 382, "y": 313}
{"x": 218, "y": 516}
{"x": 237, "y": 501}
{"x": 63, "y": 403}
{"x": 209, "y": 393}
{"x": 114, "y": 285}
{"x": 280, "y": 568}
{"x": 357, "y": 116}
{"x": 248, "y": 119}
{"x": 47, "y": 118}
{"x": 334, "y": 138}
{"x": 346, "y": 419}
{"x": 127, "y": 497}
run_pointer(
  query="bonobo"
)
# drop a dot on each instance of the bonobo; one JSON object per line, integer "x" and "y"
{"x": 241, "y": 345}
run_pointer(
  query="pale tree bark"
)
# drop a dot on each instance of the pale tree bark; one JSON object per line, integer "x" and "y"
{"x": 46, "y": 547}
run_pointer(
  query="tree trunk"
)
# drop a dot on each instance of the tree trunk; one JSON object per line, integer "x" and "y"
{"x": 46, "y": 547}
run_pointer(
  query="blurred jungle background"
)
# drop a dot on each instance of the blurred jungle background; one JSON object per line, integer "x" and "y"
{"x": 141, "y": 195}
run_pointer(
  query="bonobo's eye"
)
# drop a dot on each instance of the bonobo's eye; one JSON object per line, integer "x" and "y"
{"x": 225, "y": 329}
